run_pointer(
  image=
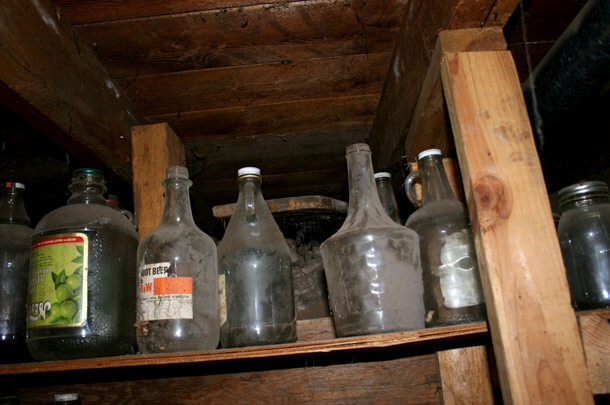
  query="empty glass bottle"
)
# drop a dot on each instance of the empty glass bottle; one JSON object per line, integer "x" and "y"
{"x": 177, "y": 307}
{"x": 81, "y": 294}
{"x": 15, "y": 242}
{"x": 256, "y": 291}
{"x": 452, "y": 287}
{"x": 372, "y": 264}
{"x": 383, "y": 181}
{"x": 584, "y": 236}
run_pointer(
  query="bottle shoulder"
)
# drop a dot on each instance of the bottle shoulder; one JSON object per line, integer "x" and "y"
{"x": 15, "y": 235}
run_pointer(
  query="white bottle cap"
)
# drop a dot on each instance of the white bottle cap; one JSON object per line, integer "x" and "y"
{"x": 248, "y": 170}
{"x": 428, "y": 152}
{"x": 10, "y": 184}
{"x": 380, "y": 175}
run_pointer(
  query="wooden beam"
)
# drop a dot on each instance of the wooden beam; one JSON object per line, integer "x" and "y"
{"x": 430, "y": 127}
{"x": 155, "y": 148}
{"x": 47, "y": 69}
{"x": 465, "y": 377}
{"x": 534, "y": 331}
{"x": 595, "y": 332}
{"x": 422, "y": 22}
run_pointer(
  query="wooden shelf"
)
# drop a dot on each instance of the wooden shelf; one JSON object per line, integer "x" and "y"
{"x": 397, "y": 339}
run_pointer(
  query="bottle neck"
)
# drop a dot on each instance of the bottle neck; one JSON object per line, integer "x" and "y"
{"x": 435, "y": 185}
{"x": 362, "y": 189}
{"x": 249, "y": 193}
{"x": 177, "y": 207}
{"x": 12, "y": 208}
{"x": 583, "y": 201}
{"x": 386, "y": 196}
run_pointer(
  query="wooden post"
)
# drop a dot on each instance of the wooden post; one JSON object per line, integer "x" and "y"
{"x": 536, "y": 342}
{"x": 465, "y": 377}
{"x": 155, "y": 147}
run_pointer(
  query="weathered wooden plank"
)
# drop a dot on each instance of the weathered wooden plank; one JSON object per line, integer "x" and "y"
{"x": 534, "y": 331}
{"x": 213, "y": 89}
{"x": 258, "y": 34}
{"x": 155, "y": 148}
{"x": 595, "y": 333}
{"x": 45, "y": 64}
{"x": 429, "y": 127}
{"x": 306, "y": 202}
{"x": 465, "y": 377}
{"x": 422, "y": 22}
{"x": 408, "y": 380}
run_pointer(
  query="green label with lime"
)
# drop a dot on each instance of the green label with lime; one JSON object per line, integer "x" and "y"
{"x": 57, "y": 293}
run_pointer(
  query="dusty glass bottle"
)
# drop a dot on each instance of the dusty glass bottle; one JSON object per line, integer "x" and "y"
{"x": 81, "y": 293}
{"x": 584, "y": 236}
{"x": 452, "y": 287}
{"x": 383, "y": 182}
{"x": 256, "y": 292}
{"x": 371, "y": 264}
{"x": 15, "y": 242}
{"x": 177, "y": 307}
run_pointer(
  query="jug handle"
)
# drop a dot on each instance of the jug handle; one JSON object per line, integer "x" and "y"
{"x": 409, "y": 188}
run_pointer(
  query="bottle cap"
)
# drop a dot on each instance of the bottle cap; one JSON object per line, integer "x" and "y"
{"x": 177, "y": 172}
{"x": 11, "y": 184}
{"x": 65, "y": 397}
{"x": 94, "y": 172}
{"x": 581, "y": 190}
{"x": 380, "y": 175}
{"x": 428, "y": 152}
{"x": 248, "y": 170}
{"x": 357, "y": 147}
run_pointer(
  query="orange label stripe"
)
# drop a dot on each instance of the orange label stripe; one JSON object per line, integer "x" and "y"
{"x": 173, "y": 285}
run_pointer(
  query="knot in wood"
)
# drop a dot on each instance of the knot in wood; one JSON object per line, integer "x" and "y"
{"x": 492, "y": 201}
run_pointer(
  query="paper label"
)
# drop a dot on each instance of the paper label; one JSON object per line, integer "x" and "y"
{"x": 222, "y": 299}
{"x": 57, "y": 292}
{"x": 163, "y": 297}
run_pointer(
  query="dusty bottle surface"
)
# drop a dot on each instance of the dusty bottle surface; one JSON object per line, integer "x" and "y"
{"x": 15, "y": 242}
{"x": 584, "y": 236}
{"x": 256, "y": 299}
{"x": 383, "y": 182}
{"x": 81, "y": 293}
{"x": 372, "y": 264}
{"x": 177, "y": 307}
{"x": 452, "y": 287}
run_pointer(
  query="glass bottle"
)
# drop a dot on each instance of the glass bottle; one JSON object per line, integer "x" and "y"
{"x": 81, "y": 294}
{"x": 452, "y": 287}
{"x": 15, "y": 242}
{"x": 177, "y": 306}
{"x": 256, "y": 292}
{"x": 584, "y": 236}
{"x": 371, "y": 264}
{"x": 383, "y": 182}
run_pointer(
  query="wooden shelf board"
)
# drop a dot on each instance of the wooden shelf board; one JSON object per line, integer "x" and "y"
{"x": 291, "y": 349}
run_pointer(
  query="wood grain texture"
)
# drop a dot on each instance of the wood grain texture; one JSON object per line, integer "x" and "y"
{"x": 45, "y": 63}
{"x": 307, "y": 202}
{"x": 595, "y": 332}
{"x": 408, "y": 380}
{"x": 422, "y": 22}
{"x": 465, "y": 376}
{"x": 155, "y": 148}
{"x": 534, "y": 331}
{"x": 430, "y": 127}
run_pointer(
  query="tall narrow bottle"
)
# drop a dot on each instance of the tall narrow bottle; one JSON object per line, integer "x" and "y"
{"x": 383, "y": 182}
{"x": 15, "y": 241}
{"x": 257, "y": 298}
{"x": 452, "y": 288}
{"x": 81, "y": 293}
{"x": 177, "y": 307}
{"x": 372, "y": 264}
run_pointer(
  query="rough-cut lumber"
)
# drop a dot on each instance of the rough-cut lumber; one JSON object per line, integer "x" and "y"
{"x": 422, "y": 22}
{"x": 45, "y": 63}
{"x": 537, "y": 346}
{"x": 429, "y": 127}
{"x": 595, "y": 332}
{"x": 465, "y": 377}
{"x": 155, "y": 148}
{"x": 307, "y": 202}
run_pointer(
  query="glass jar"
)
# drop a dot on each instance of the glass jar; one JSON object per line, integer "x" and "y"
{"x": 15, "y": 242}
{"x": 452, "y": 286}
{"x": 256, "y": 292}
{"x": 177, "y": 307}
{"x": 81, "y": 294}
{"x": 383, "y": 182}
{"x": 371, "y": 264}
{"x": 584, "y": 237}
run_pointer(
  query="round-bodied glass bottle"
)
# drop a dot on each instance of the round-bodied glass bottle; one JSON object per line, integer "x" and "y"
{"x": 15, "y": 242}
{"x": 584, "y": 236}
{"x": 177, "y": 307}
{"x": 81, "y": 293}
{"x": 256, "y": 292}
{"x": 372, "y": 263}
{"x": 452, "y": 287}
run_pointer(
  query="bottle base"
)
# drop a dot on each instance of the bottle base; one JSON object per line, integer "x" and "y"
{"x": 258, "y": 335}
{"x": 75, "y": 347}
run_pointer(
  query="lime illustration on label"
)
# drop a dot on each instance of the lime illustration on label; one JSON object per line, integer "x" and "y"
{"x": 57, "y": 293}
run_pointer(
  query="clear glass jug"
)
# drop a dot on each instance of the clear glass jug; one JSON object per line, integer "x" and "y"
{"x": 383, "y": 182}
